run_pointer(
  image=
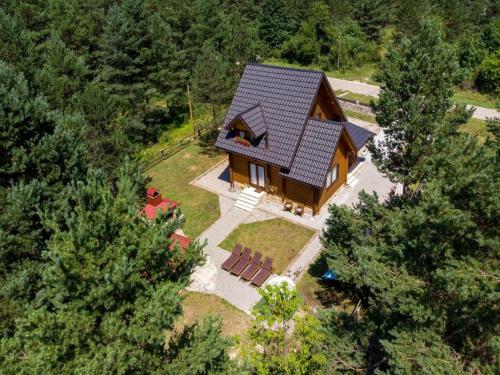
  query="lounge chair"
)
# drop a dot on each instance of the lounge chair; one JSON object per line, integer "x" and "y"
{"x": 253, "y": 267}
{"x": 264, "y": 273}
{"x": 243, "y": 262}
{"x": 233, "y": 258}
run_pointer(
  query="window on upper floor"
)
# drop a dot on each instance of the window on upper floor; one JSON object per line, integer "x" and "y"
{"x": 332, "y": 175}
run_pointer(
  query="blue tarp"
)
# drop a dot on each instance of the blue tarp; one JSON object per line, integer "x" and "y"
{"x": 329, "y": 275}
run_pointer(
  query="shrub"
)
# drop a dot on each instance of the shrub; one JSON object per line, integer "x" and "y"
{"x": 488, "y": 77}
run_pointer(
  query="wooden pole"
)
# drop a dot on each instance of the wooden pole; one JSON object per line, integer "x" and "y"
{"x": 190, "y": 110}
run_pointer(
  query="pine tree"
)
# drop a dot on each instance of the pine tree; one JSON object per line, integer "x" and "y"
{"x": 372, "y": 15}
{"x": 213, "y": 82}
{"x": 416, "y": 89}
{"x": 424, "y": 267}
{"x": 109, "y": 290}
{"x": 275, "y": 23}
{"x": 61, "y": 75}
{"x": 41, "y": 153}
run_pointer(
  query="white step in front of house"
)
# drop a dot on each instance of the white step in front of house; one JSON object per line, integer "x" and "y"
{"x": 248, "y": 199}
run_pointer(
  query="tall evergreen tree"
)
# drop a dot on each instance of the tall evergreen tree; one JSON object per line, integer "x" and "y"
{"x": 416, "y": 82}
{"x": 213, "y": 80}
{"x": 109, "y": 289}
{"x": 275, "y": 23}
{"x": 424, "y": 267}
{"x": 41, "y": 153}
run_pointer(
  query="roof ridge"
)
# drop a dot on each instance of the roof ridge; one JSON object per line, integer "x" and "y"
{"x": 250, "y": 109}
{"x": 286, "y": 68}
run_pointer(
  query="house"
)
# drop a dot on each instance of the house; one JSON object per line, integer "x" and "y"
{"x": 285, "y": 133}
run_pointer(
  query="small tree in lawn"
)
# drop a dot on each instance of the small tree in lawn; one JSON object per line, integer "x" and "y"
{"x": 281, "y": 341}
{"x": 416, "y": 89}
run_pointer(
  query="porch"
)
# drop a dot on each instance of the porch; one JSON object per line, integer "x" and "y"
{"x": 363, "y": 175}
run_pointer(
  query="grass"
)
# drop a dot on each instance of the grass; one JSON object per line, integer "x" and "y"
{"x": 319, "y": 294}
{"x": 168, "y": 139}
{"x": 363, "y": 99}
{"x": 172, "y": 177}
{"x": 262, "y": 236}
{"x": 363, "y": 73}
{"x": 360, "y": 116}
{"x": 198, "y": 305}
{"x": 476, "y": 127}
{"x": 475, "y": 98}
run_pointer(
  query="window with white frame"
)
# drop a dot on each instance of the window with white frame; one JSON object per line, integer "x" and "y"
{"x": 332, "y": 175}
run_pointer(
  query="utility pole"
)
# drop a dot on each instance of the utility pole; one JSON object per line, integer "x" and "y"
{"x": 338, "y": 53}
{"x": 190, "y": 110}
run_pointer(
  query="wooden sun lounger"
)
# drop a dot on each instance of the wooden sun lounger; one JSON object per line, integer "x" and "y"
{"x": 253, "y": 267}
{"x": 243, "y": 262}
{"x": 264, "y": 273}
{"x": 233, "y": 258}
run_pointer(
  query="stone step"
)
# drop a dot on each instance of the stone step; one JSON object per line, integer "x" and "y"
{"x": 251, "y": 191}
{"x": 244, "y": 206}
{"x": 248, "y": 198}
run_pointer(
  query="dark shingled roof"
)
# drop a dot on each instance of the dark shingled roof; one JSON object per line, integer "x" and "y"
{"x": 254, "y": 119}
{"x": 359, "y": 135}
{"x": 286, "y": 97}
{"x": 277, "y": 102}
{"x": 315, "y": 152}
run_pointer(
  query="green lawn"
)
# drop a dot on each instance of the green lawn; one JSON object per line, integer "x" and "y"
{"x": 196, "y": 306}
{"x": 476, "y": 127}
{"x": 172, "y": 177}
{"x": 363, "y": 73}
{"x": 168, "y": 139}
{"x": 360, "y": 116}
{"x": 276, "y": 238}
{"x": 476, "y": 98}
{"x": 363, "y": 99}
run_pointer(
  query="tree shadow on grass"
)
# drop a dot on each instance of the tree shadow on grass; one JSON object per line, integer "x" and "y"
{"x": 331, "y": 292}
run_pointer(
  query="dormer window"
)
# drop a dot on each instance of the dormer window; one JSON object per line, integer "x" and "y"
{"x": 243, "y": 134}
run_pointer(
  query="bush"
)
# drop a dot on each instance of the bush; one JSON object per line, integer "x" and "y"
{"x": 488, "y": 77}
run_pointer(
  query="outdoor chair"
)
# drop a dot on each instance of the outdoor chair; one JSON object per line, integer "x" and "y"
{"x": 233, "y": 258}
{"x": 288, "y": 206}
{"x": 264, "y": 273}
{"x": 242, "y": 263}
{"x": 299, "y": 210}
{"x": 253, "y": 267}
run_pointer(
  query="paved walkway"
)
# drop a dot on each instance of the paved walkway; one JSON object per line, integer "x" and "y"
{"x": 373, "y": 90}
{"x": 305, "y": 258}
{"x": 210, "y": 278}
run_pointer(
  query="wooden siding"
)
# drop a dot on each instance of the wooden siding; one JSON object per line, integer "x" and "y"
{"x": 299, "y": 192}
{"x": 325, "y": 107}
{"x": 274, "y": 179}
{"x": 240, "y": 169}
{"x": 340, "y": 159}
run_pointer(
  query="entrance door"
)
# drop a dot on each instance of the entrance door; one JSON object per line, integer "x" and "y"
{"x": 257, "y": 175}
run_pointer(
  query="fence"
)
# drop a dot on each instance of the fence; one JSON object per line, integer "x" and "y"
{"x": 172, "y": 150}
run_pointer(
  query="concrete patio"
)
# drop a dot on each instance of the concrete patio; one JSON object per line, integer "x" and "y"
{"x": 364, "y": 177}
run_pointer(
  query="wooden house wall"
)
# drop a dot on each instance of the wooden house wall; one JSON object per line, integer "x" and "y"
{"x": 239, "y": 167}
{"x": 299, "y": 192}
{"x": 325, "y": 107}
{"x": 340, "y": 158}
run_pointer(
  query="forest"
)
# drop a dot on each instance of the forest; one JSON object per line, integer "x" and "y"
{"x": 86, "y": 86}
